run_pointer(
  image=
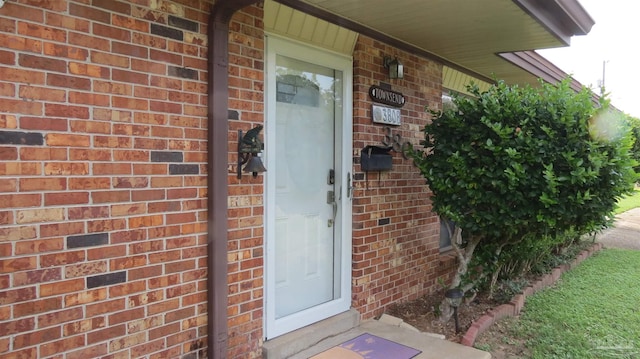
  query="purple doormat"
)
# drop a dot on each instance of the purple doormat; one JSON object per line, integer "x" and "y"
{"x": 368, "y": 346}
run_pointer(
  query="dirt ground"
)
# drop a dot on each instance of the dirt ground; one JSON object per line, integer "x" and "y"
{"x": 422, "y": 314}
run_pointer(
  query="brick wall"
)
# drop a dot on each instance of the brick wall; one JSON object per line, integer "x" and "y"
{"x": 395, "y": 234}
{"x": 103, "y": 182}
{"x": 102, "y": 178}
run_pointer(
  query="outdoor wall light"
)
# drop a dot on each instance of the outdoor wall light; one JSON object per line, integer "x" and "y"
{"x": 454, "y": 298}
{"x": 395, "y": 67}
{"x": 249, "y": 146}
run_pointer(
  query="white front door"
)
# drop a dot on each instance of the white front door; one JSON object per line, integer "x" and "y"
{"x": 308, "y": 216}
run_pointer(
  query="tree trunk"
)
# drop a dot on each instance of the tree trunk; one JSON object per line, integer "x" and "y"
{"x": 464, "y": 256}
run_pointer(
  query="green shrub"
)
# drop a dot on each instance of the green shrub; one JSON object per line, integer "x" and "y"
{"x": 516, "y": 168}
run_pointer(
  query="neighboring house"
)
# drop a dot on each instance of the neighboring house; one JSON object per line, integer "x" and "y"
{"x": 125, "y": 231}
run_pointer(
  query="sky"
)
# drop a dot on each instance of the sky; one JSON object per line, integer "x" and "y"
{"x": 612, "y": 41}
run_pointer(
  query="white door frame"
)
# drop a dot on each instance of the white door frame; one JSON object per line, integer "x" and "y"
{"x": 276, "y": 45}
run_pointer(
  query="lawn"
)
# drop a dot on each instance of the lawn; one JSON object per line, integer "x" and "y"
{"x": 629, "y": 202}
{"x": 593, "y": 312}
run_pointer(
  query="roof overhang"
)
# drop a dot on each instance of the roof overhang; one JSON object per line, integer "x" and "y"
{"x": 473, "y": 37}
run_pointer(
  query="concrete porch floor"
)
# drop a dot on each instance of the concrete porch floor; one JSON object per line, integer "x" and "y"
{"x": 343, "y": 327}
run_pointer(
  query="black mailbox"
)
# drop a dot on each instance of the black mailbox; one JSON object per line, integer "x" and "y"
{"x": 375, "y": 158}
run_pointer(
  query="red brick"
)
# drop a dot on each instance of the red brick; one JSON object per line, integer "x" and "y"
{"x": 147, "y": 195}
{"x": 111, "y": 169}
{"x": 88, "y": 12}
{"x": 92, "y": 42}
{"x": 112, "y": 306}
{"x": 18, "y": 11}
{"x": 150, "y": 92}
{"x": 8, "y": 184}
{"x": 128, "y": 288}
{"x": 145, "y": 221}
{"x": 164, "y": 331}
{"x": 43, "y": 32}
{"x": 165, "y": 182}
{"x": 66, "y": 168}
{"x": 66, "y": 198}
{"x": 111, "y": 32}
{"x": 42, "y": 63}
{"x": 126, "y": 316}
{"x": 90, "y": 70}
{"x": 20, "y": 43}
{"x": 164, "y": 56}
{"x": 19, "y": 168}
{"x": 149, "y": 40}
{"x": 130, "y": 182}
{"x": 68, "y": 82}
{"x": 5, "y": 250}
{"x": 106, "y": 334}
{"x": 147, "y": 66}
{"x": 67, "y": 22}
{"x": 85, "y": 297}
{"x": 7, "y": 90}
{"x": 36, "y": 337}
{"x": 128, "y": 209}
{"x": 130, "y": 156}
{"x": 112, "y": 142}
{"x": 88, "y": 212}
{"x": 17, "y": 233}
{"x": 89, "y": 183}
{"x": 130, "y": 103}
{"x": 106, "y": 225}
{"x": 61, "y": 287}
{"x": 17, "y": 264}
{"x": 17, "y": 295}
{"x": 41, "y": 93}
{"x": 43, "y": 124}
{"x": 60, "y": 346}
{"x": 115, "y": 6}
{"x": 147, "y": 348}
{"x": 9, "y": 25}
{"x": 8, "y": 121}
{"x": 59, "y": 317}
{"x": 166, "y": 107}
{"x": 67, "y": 111}
{"x": 144, "y": 273}
{"x": 48, "y": 4}
{"x": 39, "y": 246}
{"x": 101, "y": 114}
{"x": 111, "y": 196}
{"x": 43, "y": 184}
{"x": 135, "y": 51}
{"x": 152, "y": 144}
{"x": 21, "y": 106}
{"x": 96, "y": 351}
{"x": 57, "y": 259}
{"x": 129, "y": 76}
{"x": 109, "y": 59}
{"x": 85, "y": 269}
{"x": 150, "y": 118}
{"x": 130, "y": 23}
{"x": 112, "y": 251}
{"x": 7, "y": 58}
{"x": 92, "y": 99}
{"x": 37, "y": 276}
{"x": 17, "y": 326}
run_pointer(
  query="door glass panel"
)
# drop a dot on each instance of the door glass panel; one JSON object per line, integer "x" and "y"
{"x": 307, "y": 251}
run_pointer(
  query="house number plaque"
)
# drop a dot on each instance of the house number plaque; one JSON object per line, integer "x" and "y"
{"x": 395, "y": 141}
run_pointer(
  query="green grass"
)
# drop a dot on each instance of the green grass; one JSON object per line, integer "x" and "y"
{"x": 629, "y": 202}
{"x": 594, "y": 312}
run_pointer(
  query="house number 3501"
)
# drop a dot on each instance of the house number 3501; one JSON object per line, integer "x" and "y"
{"x": 395, "y": 141}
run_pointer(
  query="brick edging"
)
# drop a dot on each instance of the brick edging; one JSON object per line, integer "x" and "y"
{"x": 514, "y": 307}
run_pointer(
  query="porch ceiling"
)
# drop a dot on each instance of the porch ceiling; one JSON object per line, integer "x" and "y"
{"x": 466, "y": 35}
